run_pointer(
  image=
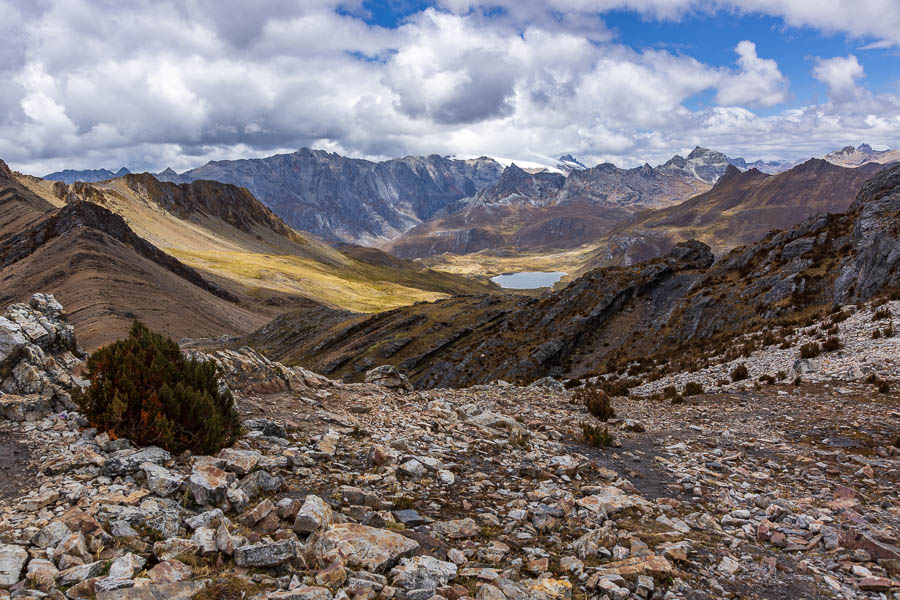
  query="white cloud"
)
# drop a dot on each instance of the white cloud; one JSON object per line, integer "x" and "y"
{"x": 88, "y": 83}
{"x": 840, "y": 75}
{"x": 759, "y": 82}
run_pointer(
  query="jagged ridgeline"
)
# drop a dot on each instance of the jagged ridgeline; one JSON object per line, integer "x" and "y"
{"x": 652, "y": 312}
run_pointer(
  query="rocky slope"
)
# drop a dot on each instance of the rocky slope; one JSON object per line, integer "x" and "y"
{"x": 673, "y": 306}
{"x": 741, "y": 209}
{"x": 346, "y": 491}
{"x": 351, "y": 200}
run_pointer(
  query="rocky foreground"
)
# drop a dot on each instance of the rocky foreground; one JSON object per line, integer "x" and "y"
{"x": 369, "y": 490}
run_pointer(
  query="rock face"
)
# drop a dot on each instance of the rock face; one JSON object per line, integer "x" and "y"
{"x": 875, "y": 263}
{"x": 351, "y": 200}
{"x": 38, "y": 353}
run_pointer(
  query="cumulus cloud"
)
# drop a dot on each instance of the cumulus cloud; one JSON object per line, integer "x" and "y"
{"x": 759, "y": 82}
{"x": 840, "y": 75}
{"x": 88, "y": 83}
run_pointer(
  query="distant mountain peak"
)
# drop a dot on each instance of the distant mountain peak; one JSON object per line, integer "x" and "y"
{"x": 87, "y": 176}
{"x": 567, "y": 162}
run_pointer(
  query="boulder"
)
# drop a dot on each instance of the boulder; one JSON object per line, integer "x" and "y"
{"x": 388, "y": 376}
{"x": 315, "y": 514}
{"x": 208, "y": 484}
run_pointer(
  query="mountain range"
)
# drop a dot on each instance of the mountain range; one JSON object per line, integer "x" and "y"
{"x": 427, "y": 205}
{"x": 89, "y": 176}
{"x": 668, "y": 312}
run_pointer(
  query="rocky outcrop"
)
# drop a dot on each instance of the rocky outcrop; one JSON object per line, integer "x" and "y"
{"x": 38, "y": 355}
{"x": 875, "y": 261}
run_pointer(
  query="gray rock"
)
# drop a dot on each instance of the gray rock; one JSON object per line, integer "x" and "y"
{"x": 388, "y": 376}
{"x": 160, "y": 480}
{"x": 125, "y": 462}
{"x": 315, "y": 514}
{"x": 12, "y": 559}
{"x": 260, "y": 481}
{"x": 422, "y": 572}
{"x": 265, "y": 554}
{"x": 208, "y": 484}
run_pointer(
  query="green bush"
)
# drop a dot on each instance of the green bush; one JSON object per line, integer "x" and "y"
{"x": 144, "y": 389}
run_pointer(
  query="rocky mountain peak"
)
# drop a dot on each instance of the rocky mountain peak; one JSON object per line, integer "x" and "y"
{"x": 567, "y": 162}
{"x": 865, "y": 149}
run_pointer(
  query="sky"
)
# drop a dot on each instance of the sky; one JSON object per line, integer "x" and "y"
{"x": 150, "y": 84}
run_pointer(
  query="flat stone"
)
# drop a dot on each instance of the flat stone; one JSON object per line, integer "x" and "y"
{"x": 629, "y": 568}
{"x": 363, "y": 547}
{"x": 304, "y": 592}
{"x": 607, "y": 502}
{"x": 184, "y": 590}
{"x": 457, "y": 529}
{"x": 78, "y": 573}
{"x": 411, "y": 518}
{"x": 240, "y": 462}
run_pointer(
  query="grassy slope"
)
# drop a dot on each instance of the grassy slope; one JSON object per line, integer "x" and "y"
{"x": 261, "y": 262}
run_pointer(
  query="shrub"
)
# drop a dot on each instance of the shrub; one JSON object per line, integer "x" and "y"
{"x": 876, "y": 335}
{"x": 692, "y": 388}
{"x": 881, "y": 313}
{"x": 740, "y": 373}
{"x": 888, "y": 331}
{"x": 767, "y": 379}
{"x": 670, "y": 391}
{"x": 143, "y": 388}
{"x": 797, "y": 380}
{"x": 810, "y": 350}
{"x": 596, "y": 401}
{"x": 831, "y": 344}
{"x": 781, "y": 376}
{"x": 883, "y": 387}
{"x": 596, "y": 436}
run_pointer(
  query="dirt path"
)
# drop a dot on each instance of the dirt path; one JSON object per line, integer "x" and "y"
{"x": 15, "y": 458}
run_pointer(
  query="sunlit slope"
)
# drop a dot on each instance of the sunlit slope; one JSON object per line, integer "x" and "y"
{"x": 224, "y": 231}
